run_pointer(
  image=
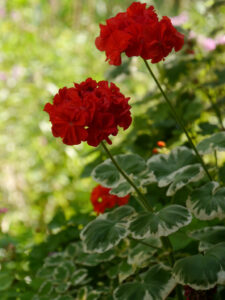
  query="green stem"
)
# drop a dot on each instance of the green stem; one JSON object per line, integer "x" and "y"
{"x": 216, "y": 159}
{"x": 178, "y": 120}
{"x": 216, "y": 110}
{"x": 216, "y": 163}
{"x": 179, "y": 292}
{"x": 144, "y": 243}
{"x": 142, "y": 200}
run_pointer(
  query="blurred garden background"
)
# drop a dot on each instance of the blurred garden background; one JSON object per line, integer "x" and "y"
{"x": 46, "y": 45}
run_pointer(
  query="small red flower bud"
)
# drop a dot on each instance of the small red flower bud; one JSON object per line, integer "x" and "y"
{"x": 161, "y": 144}
{"x": 155, "y": 151}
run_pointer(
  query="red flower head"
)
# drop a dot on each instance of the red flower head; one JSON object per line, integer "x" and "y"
{"x": 101, "y": 199}
{"x": 89, "y": 111}
{"x": 138, "y": 32}
{"x": 161, "y": 144}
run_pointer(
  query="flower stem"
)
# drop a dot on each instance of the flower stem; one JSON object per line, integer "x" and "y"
{"x": 142, "y": 200}
{"x": 178, "y": 120}
{"x": 144, "y": 203}
{"x": 216, "y": 110}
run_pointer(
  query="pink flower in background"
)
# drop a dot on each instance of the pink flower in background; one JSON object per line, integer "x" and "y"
{"x": 2, "y": 12}
{"x": 3, "y": 210}
{"x": 220, "y": 40}
{"x": 2, "y": 76}
{"x": 207, "y": 44}
{"x": 180, "y": 19}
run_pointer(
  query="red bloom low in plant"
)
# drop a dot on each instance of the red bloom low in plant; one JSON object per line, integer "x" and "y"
{"x": 101, "y": 199}
{"x": 161, "y": 144}
{"x": 138, "y": 32}
{"x": 90, "y": 111}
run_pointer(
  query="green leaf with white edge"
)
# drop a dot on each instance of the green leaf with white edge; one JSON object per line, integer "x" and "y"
{"x": 177, "y": 169}
{"x": 71, "y": 250}
{"x": 79, "y": 276}
{"x": 155, "y": 284}
{"x": 46, "y": 288}
{"x": 132, "y": 164}
{"x": 207, "y": 202}
{"x": 202, "y": 272}
{"x": 61, "y": 273}
{"x": 161, "y": 223}
{"x": 46, "y": 271}
{"x": 69, "y": 265}
{"x": 139, "y": 255}
{"x": 88, "y": 294}
{"x": 184, "y": 176}
{"x": 107, "y": 230}
{"x": 208, "y": 236}
{"x": 218, "y": 251}
{"x": 125, "y": 270}
{"x": 54, "y": 259}
{"x": 62, "y": 287}
{"x": 164, "y": 166}
{"x": 92, "y": 259}
{"x": 198, "y": 271}
{"x": 214, "y": 142}
{"x": 6, "y": 280}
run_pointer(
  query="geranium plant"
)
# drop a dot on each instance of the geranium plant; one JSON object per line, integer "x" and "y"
{"x": 145, "y": 236}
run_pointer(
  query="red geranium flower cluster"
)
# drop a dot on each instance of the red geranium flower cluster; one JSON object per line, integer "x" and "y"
{"x": 101, "y": 199}
{"x": 138, "y": 32}
{"x": 89, "y": 111}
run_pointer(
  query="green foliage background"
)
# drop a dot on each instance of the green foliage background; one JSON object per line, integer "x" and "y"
{"x": 46, "y": 45}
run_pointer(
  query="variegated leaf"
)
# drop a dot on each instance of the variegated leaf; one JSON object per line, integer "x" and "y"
{"x": 155, "y": 284}
{"x": 107, "y": 230}
{"x": 207, "y": 202}
{"x": 79, "y": 276}
{"x": 161, "y": 223}
{"x": 92, "y": 259}
{"x": 202, "y": 272}
{"x": 208, "y": 236}
{"x": 214, "y": 142}
{"x": 140, "y": 254}
{"x": 177, "y": 169}
{"x": 184, "y": 176}
{"x": 133, "y": 165}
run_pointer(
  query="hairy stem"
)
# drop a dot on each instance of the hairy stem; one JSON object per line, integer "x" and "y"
{"x": 178, "y": 120}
